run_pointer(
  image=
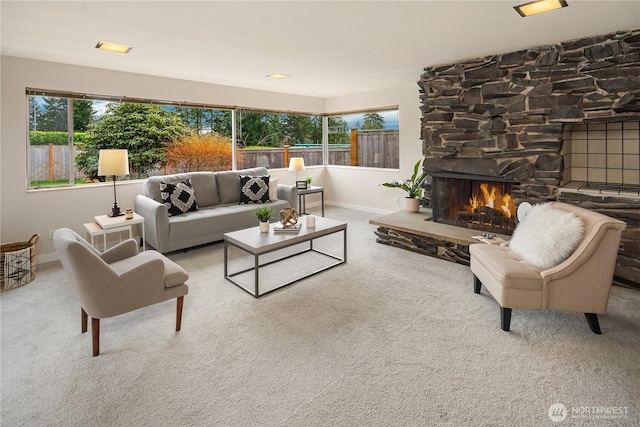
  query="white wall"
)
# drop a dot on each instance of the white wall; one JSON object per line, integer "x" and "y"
{"x": 23, "y": 213}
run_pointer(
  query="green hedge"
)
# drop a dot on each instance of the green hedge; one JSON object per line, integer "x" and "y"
{"x": 55, "y": 138}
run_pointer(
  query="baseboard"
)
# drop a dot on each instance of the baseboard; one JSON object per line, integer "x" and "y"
{"x": 358, "y": 207}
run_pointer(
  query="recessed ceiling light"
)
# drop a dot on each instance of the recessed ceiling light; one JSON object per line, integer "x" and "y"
{"x": 278, "y": 76}
{"x": 539, "y": 6}
{"x": 113, "y": 47}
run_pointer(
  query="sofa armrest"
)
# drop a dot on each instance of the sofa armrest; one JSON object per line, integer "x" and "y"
{"x": 290, "y": 193}
{"x": 156, "y": 222}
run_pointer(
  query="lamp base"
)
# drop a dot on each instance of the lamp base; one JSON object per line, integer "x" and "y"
{"x": 115, "y": 211}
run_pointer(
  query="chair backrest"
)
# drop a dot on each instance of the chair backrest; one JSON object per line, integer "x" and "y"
{"x": 84, "y": 266}
{"x": 590, "y": 268}
{"x": 596, "y": 228}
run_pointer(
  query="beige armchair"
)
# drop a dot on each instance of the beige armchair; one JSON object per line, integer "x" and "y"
{"x": 118, "y": 280}
{"x": 581, "y": 283}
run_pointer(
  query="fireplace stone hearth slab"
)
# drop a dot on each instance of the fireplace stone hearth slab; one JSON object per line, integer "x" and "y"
{"x": 416, "y": 232}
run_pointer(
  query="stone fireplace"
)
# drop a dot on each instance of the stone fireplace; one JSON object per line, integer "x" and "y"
{"x": 524, "y": 117}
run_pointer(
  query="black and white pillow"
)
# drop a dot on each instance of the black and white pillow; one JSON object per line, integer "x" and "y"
{"x": 178, "y": 197}
{"x": 254, "y": 189}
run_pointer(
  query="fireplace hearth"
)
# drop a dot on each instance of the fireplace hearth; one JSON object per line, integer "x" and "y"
{"x": 471, "y": 201}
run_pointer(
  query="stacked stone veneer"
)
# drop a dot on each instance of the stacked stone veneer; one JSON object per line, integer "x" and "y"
{"x": 504, "y": 116}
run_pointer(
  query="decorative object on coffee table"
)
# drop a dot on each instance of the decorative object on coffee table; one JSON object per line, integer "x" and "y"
{"x": 288, "y": 217}
{"x": 311, "y": 221}
{"x": 413, "y": 186}
{"x": 263, "y": 214}
{"x": 113, "y": 163}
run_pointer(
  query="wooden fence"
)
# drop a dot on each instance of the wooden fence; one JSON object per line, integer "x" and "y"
{"x": 375, "y": 148}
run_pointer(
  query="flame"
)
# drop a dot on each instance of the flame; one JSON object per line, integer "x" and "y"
{"x": 490, "y": 196}
{"x": 506, "y": 205}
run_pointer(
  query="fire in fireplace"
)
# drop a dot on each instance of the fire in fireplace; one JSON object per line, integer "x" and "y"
{"x": 472, "y": 201}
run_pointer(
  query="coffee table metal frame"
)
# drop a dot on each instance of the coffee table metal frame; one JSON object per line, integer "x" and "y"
{"x": 250, "y": 240}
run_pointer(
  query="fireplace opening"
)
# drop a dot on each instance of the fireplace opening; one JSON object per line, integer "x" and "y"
{"x": 471, "y": 201}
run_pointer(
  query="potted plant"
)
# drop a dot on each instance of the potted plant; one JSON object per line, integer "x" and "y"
{"x": 413, "y": 186}
{"x": 263, "y": 214}
{"x": 308, "y": 179}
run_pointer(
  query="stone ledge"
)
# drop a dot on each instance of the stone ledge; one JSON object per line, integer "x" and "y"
{"x": 416, "y": 232}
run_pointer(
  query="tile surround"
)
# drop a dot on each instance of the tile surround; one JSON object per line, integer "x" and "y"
{"x": 603, "y": 152}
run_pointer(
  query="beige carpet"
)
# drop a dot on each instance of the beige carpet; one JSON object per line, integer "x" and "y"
{"x": 392, "y": 338}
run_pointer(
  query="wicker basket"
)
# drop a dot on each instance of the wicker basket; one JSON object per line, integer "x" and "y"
{"x": 18, "y": 263}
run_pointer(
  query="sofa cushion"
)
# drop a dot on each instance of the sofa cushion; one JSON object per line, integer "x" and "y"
{"x": 216, "y": 220}
{"x": 254, "y": 189}
{"x": 547, "y": 236}
{"x": 273, "y": 189}
{"x": 179, "y": 197}
{"x": 204, "y": 185}
{"x": 229, "y": 183}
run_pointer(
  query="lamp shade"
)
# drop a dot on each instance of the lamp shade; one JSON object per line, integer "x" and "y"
{"x": 296, "y": 164}
{"x": 113, "y": 162}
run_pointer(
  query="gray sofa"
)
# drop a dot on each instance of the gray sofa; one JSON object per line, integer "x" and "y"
{"x": 218, "y": 197}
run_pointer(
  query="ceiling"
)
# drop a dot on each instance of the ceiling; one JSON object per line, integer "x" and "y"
{"x": 329, "y": 48}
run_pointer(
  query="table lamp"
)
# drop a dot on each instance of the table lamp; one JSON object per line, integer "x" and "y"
{"x": 296, "y": 164}
{"x": 113, "y": 163}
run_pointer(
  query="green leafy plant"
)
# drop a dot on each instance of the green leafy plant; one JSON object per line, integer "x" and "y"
{"x": 308, "y": 179}
{"x": 413, "y": 185}
{"x": 263, "y": 213}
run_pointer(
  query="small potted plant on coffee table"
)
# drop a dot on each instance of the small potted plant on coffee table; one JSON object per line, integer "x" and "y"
{"x": 413, "y": 186}
{"x": 263, "y": 214}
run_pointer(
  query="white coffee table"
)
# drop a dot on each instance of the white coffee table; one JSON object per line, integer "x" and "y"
{"x": 257, "y": 244}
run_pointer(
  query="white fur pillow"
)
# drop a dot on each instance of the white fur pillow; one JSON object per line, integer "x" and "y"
{"x": 547, "y": 236}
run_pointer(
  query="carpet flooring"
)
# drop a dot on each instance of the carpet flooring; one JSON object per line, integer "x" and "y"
{"x": 392, "y": 338}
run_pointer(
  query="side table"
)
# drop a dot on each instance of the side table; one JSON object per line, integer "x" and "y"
{"x": 302, "y": 198}
{"x": 105, "y": 224}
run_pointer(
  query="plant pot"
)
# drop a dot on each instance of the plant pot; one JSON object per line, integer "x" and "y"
{"x": 264, "y": 227}
{"x": 411, "y": 204}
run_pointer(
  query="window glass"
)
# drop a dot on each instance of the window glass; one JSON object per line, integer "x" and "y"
{"x": 49, "y": 142}
{"x": 270, "y": 139}
{"x": 159, "y": 139}
{"x": 365, "y": 139}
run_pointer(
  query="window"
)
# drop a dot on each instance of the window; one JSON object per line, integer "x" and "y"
{"x": 270, "y": 139}
{"x": 365, "y": 139}
{"x": 66, "y": 132}
{"x": 159, "y": 138}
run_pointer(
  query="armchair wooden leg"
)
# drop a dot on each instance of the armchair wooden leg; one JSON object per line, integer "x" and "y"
{"x": 592, "y": 320}
{"x": 95, "y": 335}
{"x": 505, "y": 318}
{"x": 477, "y": 284}
{"x": 179, "y": 313}
{"x": 85, "y": 320}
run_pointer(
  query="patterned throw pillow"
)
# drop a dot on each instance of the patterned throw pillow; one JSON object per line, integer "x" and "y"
{"x": 254, "y": 189}
{"x": 178, "y": 197}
